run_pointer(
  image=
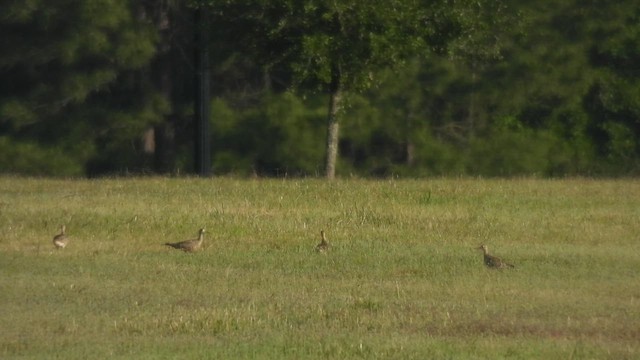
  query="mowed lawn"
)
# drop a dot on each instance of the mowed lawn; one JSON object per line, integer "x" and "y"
{"x": 403, "y": 279}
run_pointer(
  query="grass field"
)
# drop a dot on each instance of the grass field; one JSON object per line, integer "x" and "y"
{"x": 402, "y": 280}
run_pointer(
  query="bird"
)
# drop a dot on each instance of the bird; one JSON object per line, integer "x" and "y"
{"x": 189, "y": 245}
{"x": 493, "y": 261}
{"x": 61, "y": 240}
{"x": 323, "y": 246}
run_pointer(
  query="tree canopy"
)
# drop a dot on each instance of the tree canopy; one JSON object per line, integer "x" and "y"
{"x": 92, "y": 87}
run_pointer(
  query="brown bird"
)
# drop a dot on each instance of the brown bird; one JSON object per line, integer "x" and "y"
{"x": 493, "y": 261}
{"x": 324, "y": 245}
{"x": 61, "y": 240}
{"x": 189, "y": 245}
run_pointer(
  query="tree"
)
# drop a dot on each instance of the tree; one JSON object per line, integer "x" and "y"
{"x": 169, "y": 76}
{"x": 58, "y": 60}
{"x": 613, "y": 101}
{"x": 338, "y": 46}
{"x": 202, "y": 98}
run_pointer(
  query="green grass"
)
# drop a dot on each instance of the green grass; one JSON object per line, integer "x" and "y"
{"x": 402, "y": 279}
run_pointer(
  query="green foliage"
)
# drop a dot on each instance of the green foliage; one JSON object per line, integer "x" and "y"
{"x": 433, "y": 88}
{"x": 79, "y": 44}
{"x": 279, "y": 137}
{"x": 613, "y": 100}
{"x": 59, "y": 62}
{"x": 29, "y": 158}
{"x": 510, "y": 153}
{"x": 319, "y": 37}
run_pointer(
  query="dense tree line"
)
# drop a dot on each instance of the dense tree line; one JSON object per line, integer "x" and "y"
{"x": 371, "y": 88}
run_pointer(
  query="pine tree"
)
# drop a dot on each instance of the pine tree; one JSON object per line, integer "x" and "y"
{"x": 60, "y": 62}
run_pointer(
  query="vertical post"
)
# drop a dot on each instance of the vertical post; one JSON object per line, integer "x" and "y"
{"x": 202, "y": 110}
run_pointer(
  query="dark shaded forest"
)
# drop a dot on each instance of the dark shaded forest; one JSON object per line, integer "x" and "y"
{"x": 321, "y": 88}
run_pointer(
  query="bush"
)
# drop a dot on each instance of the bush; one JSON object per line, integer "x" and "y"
{"x": 27, "y": 158}
{"x": 282, "y": 136}
{"x": 513, "y": 152}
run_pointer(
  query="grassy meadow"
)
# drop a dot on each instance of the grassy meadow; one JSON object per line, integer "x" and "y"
{"x": 402, "y": 280}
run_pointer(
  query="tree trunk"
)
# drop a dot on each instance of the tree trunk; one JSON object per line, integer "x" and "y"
{"x": 162, "y": 77}
{"x": 411, "y": 153}
{"x": 410, "y": 149}
{"x": 333, "y": 126}
{"x": 164, "y": 147}
{"x": 471, "y": 110}
{"x": 202, "y": 104}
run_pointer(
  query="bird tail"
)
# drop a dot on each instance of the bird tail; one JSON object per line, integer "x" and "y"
{"x": 172, "y": 245}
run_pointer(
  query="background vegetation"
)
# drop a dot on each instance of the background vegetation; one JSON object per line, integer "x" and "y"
{"x": 402, "y": 280}
{"x": 90, "y": 87}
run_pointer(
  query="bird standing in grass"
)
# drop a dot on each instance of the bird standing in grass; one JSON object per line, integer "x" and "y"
{"x": 324, "y": 245}
{"x": 493, "y": 261}
{"x": 61, "y": 240}
{"x": 189, "y": 245}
